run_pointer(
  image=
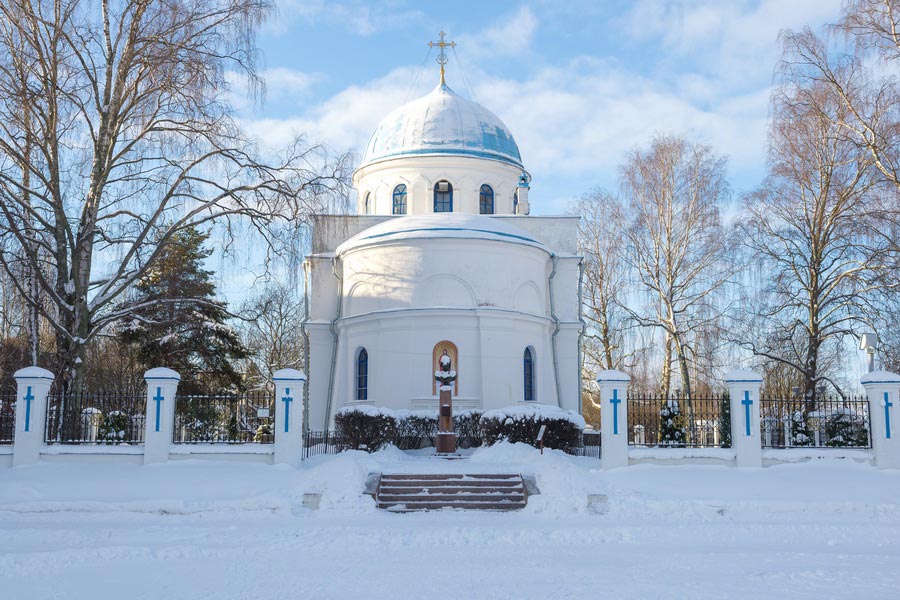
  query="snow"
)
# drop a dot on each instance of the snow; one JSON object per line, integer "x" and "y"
{"x": 215, "y": 529}
{"x": 537, "y": 411}
{"x": 368, "y": 410}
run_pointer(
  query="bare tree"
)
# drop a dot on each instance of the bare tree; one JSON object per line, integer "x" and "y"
{"x": 677, "y": 246}
{"x": 271, "y": 332}
{"x": 115, "y": 134}
{"x": 600, "y": 242}
{"x": 817, "y": 230}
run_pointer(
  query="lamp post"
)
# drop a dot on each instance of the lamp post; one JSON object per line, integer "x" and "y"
{"x": 868, "y": 342}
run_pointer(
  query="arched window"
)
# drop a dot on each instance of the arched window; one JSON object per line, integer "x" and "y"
{"x": 516, "y": 202}
{"x": 443, "y": 197}
{"x": 486, "y": 200}
{"x": 400, "y": 199}
{"x": 528, "y": 368}
{"x": 362, "y": 375}
{"x": 367, "y": 203}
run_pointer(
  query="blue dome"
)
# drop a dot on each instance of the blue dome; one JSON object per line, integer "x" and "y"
{"x": 442, "y": 123}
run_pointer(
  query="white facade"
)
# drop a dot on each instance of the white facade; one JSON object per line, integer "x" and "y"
{"x": 391, "y": 287}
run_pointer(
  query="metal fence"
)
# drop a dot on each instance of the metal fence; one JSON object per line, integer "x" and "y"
{"x": 318, "y": 443}
{"x": 590, "y": 444}
{"x": 7, "y": 418}
{"x": 680, "y": 422}
{"x": 824, "y": 422}
{"x": 225, "y": 418}
{"x": 95, "y": 418}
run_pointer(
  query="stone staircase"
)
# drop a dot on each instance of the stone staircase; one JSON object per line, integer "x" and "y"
{"x": 409, "y": 493}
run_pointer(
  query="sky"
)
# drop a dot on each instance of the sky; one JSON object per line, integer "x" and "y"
{"x": 578, "y": 83}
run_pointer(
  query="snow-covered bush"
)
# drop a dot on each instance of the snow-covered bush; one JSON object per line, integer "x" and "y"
{"x": 671, "y": 424}
{"x": 365, "y": 427}
{"x": 523, "y": 422}
{"x": 725, "y": 421}
{"x": 263, "y": 433}
{"x": 467, "y": 425}
{"x": 113, "y": 427}
{"x": 801, "y": 432}
{"x": 415, "y": 429}
{"x": 846, "y": 428}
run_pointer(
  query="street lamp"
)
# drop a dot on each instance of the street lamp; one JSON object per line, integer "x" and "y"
{"x": 867, "y": 342}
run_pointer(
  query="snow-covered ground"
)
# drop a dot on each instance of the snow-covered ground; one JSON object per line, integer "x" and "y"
{"x": 200, "y": 529}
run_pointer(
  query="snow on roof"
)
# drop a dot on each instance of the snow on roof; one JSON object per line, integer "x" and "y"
{"x": 442, "y": 123}
{"x": 441, "y": 225}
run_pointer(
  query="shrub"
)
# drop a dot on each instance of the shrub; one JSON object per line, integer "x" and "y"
{"x": 801, "y": 433}
{"x": 467, "y": 425}
{"x": 365, "y": 427}
{"x": 113, "y": 427}
{"x": 671, "y": 424}
{"x": 522, "y": 424}
{"x": 415, "y": 429}
{"x": 725, "y": 421}
{"x": 845, "y": 429}
{"x": 263, "y": 433}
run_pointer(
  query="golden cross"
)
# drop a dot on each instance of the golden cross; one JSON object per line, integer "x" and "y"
{"x": 442, "y": 57}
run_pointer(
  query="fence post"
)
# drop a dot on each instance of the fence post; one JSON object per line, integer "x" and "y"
{"x": 613, "y": 418}
{"x": 289, "y": 403}
{"x": 33, "y": 385}
{"x": 884, "y": 417}
{"x": 162, "y": 384}
{"x": 743, "y": 392}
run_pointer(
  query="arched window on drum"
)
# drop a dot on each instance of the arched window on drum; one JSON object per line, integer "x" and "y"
{"x": 399, "y": 205}
{"x": 486, "y": 200}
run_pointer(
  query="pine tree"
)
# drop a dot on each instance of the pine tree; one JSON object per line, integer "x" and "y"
{"x": 180, "y": 324}
{"x": 671, "y": 424}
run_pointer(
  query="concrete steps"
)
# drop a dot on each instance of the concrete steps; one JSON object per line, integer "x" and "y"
{"x": 409, "y": 493}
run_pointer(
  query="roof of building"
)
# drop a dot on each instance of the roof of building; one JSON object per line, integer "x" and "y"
{"x": 441, "y": 225}
{"x": 442, "y": 122}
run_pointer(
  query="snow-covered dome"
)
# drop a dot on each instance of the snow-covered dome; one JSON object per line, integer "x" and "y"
{"x": 441, "y": 225}
{"x": 442, "y": 123}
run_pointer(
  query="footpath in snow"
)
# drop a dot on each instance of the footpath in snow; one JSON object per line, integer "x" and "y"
{"x": 205, "y": 529}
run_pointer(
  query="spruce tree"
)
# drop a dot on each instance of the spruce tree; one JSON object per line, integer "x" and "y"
{"x": 180, "y": 324}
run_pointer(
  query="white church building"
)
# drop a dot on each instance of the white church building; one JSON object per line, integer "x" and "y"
{"x": 442, "y": 255}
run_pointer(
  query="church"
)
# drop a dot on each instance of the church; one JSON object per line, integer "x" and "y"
{"x": 442, "y": 258}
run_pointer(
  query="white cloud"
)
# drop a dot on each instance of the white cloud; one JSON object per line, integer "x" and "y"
{"x": 512, "y": 36}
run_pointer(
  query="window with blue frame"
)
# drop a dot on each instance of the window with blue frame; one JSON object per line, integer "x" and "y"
{"x": 366, "y": 205}
{"x": 362, "y": 375}
{"x": 516, "y": 202}
{"x": 528, "y": 367}
{"x": 486, "y": 200}
{"x": 443, "y": 197}
{"x": 400, "y": 199}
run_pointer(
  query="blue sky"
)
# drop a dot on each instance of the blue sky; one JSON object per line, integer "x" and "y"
{"x": 578, "y": 83}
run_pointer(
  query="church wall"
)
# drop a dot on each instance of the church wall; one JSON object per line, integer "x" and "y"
{"x": 445, "y": 272}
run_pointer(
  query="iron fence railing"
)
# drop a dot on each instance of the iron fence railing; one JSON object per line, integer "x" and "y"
{"x": 590, "y": 444}
{"x": 680, "y": 422}
{"x": 7, "y": 418}
{"x": 95, "y": 418}
{"x": 225, "y": 418}
{"x": 317, "y": 443}
{"x": 823, "y": 422}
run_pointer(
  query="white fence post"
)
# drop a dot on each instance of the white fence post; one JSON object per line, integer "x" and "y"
{"x": 162, "y": 384}
{"x": 33, "y": 385}
{"x": 743, "y": 390}
{"x": 613, "y": 418}
{"x": 288, "y": 416}
{"x": 884, "y": 417}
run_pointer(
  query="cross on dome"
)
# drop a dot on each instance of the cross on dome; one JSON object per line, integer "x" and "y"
{"x": 442, "y": 57}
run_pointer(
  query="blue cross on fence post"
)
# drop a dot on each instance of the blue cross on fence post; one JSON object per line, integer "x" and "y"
{"x": 287, "y": 408}
{"x": 28, "y": 399}
{"x": 158, "y": 398}
{"x": 747, "y": 402}
{"x": 615, "y": 401}
{"x": 887, "y": 414}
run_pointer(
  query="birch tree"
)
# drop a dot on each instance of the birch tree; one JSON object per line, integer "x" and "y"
{"x": 819, "y": 230}
{"x": 677, "y": 246}
{"x": 115, "y": 135}
{"x": 271, "y": 332}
